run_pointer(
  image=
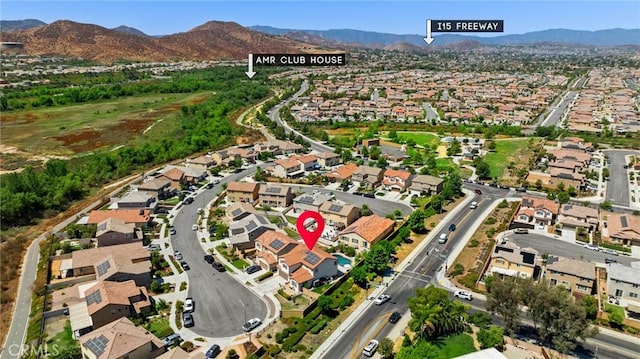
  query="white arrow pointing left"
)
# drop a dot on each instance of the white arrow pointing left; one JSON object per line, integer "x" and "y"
{"x": 250, "y": 73}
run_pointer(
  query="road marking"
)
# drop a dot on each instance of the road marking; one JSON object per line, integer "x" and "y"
{"x": 417, "y": 278}
{"x": 355, "y": 350}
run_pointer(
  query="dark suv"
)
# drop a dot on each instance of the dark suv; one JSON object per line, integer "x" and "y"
{"x": 218, "y": 266}
{"x": 208, "y": 258}
{"x": 252, "y": 269}
{"x": 395, "y": 316}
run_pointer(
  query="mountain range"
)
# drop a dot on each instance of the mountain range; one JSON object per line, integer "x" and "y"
{"x": 228, "y": 40}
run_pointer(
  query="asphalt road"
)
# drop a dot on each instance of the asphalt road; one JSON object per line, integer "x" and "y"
{"x": 373, "y": 323}
{"x": 558, "y": 111}
{"x": 544, "y": 244}
{"x": 220, "y": 300}
{"x": 618, "y": 183}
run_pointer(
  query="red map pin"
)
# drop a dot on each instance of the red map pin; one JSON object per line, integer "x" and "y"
{"x": 310, "y": 237}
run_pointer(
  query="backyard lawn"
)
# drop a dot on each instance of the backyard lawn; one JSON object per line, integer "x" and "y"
{"x": 506, "y": 152}
{"x": 456, "y": 345}
{"x": 63, "y": 339}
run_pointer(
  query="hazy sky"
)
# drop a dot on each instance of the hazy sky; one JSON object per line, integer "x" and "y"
{"x": 398, "y": 17}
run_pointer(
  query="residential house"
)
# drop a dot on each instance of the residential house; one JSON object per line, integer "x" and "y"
{"x": 308, "y": 202}
{"x": 238, "y": 211}
{"x": 202, "y": 162}
{"x": 247, "y": 154}
{"x": 396, "y": 180}
{"x": 224, "y": 157}
{"x": 368, "y": 177}
{"x": 270, "y": 247}
{"x": 342, "y": 173}
{"x": 287, "y": 168}
{"x": 623, "y": 229}
{"x": 192, "y": 175}
{"x": 108, "y": 301}
{"x": 510, "y": 260}
{"x": 339, "y": 215}
{"x": 138, "y": 217}
{"x": 114, "y": 263}
{"x": 159, "y": 188}
{"x": 623, "y": 282}
{"x": 242, "y": 192}
{"x": 244, "y": 232}
{"x": 300, "y": 266}
{"x": 179, "y": 353}
{"x": 579, "y": 277}
{"x": 274, "y": 195}
{"x": 176, "y": 176}
{"x": 534, "y": 211}
{"x": 425, "y": 184}
{"x": 366, "y": 231}
{"x": 328, "y": 159}
{"x": 114, "y": 231}
{"x": 308, "y": 162}
{"x": 135, "y": 200}
{"x": 574, "y": 216}
{"x": 121, "y": 339}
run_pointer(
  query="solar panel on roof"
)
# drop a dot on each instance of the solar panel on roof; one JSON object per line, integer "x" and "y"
{"x": 277, "y": 244}
{"x": 335, "y": 208}
{"x": 94, "y": 297}
{"x": 312, "y": 258}
{"x": 97, "y": 345}
{"x": 103, "y": 267}
{"x": 236, "y": 212}
{"x": 528, "y": 258}
{"x": 273, "y": 189}
{"x": 306, "y": 199}
{"x": 251, "y": 226}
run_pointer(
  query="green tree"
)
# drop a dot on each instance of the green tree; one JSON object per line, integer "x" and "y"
{"x": 382, "y": 162}
{"x": 590, "y": 307}
{"x": 364, "y": 152}
{"x": 377, "y": 258}
{"x": 375, "y": 152}
{"x": 491, "y": 337}
{"x": 421, "y": 350}
{"x": 503, "y": 299}
{"x": 324, "y": 303}
{"x": 539, "y": 184}
{"x": 393, "y": 134}
{"x": 416, "y": 221}
{"x": 483, "y": 171}
{"x": 606, "y": 205}
{"x": 563, "y": 197}
{"x": 386, "y": 348}
{"x": 365, "y": 211}
{"x": 434, "y": 315}
{"x": 359, "y": 275}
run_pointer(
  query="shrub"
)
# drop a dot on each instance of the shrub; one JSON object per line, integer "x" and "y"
{"x": 503, "y": 204}
{"x": 469, "y": 280}
{"x": 284, "y": 294}
{"x": 264, "y": 276}
{"x": 491, "y": 232}
{"x": 187, "y": 346}
{"x": 318, "y": 327}
{"x": 273, "y": 351}
{"x": 350, "y": 251}
{"x": 458, "y": 269}
{"x": 232, "y": 354}
{"x": 346, "y": 301}
{"x": 299, "y": 348}
{"x": 474, "y": 243}
{"x": 290, "y": 342}
{"x": 490, "y": 221}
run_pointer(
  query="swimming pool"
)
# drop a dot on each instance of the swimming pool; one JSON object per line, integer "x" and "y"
{"x": 342, "y": 260}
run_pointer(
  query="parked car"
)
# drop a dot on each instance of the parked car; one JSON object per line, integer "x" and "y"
{"x": 371, "y": 348}
{"x": 216, "y": 181}
{"x": 177, "y": 255}
{"x": 521, "y": 231}
{"x": 194, "y": 227}
{"x": 172, "y": 230}
{"x": 463, "y": 295}
{"x": 209, "y": 185}
{"x": 610, "y": 251}
{"x": 251, "y": 324}
{"x": 188, "y": 200}
{"x": 208, "y": 258}
{"x": 218, "y": 266}
{"x": 452, "y": 227}
{"x": 395, "y": 317}
{"x": 370, "y": 195}
{"x": 443, "y": 238}
{"x": 188, "y": 305}
{"x": 592, "y": 247}
{"x": 610, "y": 260}
{"x": 213, "y": 352}
{"x": 174, "y": 338}
{"x": 478, "y": 191}
{"x": 154, "y": 247}
{"x": 382, "y": 298}
{"x": 521, "y": 189}
{"x": 184, "y": 265}
{"x": 187, "y": 320}
{"x": 252, "y": 269}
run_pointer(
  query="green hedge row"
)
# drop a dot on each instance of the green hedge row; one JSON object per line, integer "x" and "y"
{"x": 264, "y": 276}
{"x": 318, "y": 327}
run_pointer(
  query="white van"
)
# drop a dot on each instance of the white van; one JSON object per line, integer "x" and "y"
{"x": 443, "y": 238}
{"x": 474, "y": 205}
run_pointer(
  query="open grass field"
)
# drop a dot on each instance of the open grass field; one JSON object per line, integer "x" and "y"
{"x": 507, "y": 151}
{"x": 456, "y": 345}
{"x": 71, "y": 130}
{"x": 426, "y": 139}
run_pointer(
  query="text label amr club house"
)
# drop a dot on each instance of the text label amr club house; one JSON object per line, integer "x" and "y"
{"x": 299, "y": 59}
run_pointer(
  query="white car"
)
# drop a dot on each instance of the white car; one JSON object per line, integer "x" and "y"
{"x": 188, "y": 305}
{"x": 382, "y": 298}
{"x": 177, "y": 255}
{"x": 194, "y": 227}
{"x": 371, "y": 348}
{"x": 251, "y": 324}
{"x": 463, "y": 295}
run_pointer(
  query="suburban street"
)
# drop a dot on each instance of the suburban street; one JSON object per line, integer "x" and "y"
{"x": 373, "y": 323}
{"x": 220, "y": 300}
{"x": 545, "y": 244}
{"x": 558, "y": 111}
{"x": 618, "y": 183}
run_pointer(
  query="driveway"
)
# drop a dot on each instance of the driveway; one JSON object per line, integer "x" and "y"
{"x": 618, "y": 185}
